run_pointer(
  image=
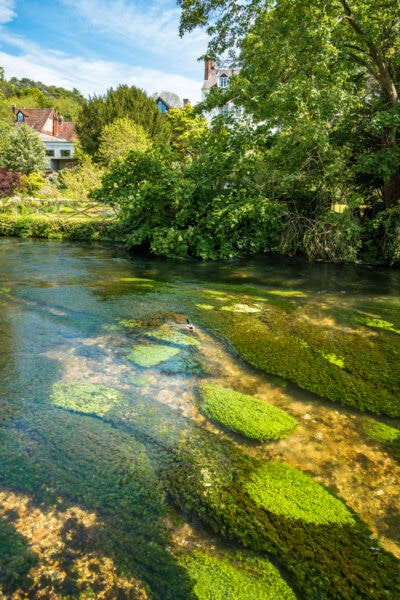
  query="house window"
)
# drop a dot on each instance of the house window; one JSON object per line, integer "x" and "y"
{"x": 223, "y": 81}
{"x": 49, "y": 152}
{"x": 20, "y": 117}
{"x": 65, "y": 153}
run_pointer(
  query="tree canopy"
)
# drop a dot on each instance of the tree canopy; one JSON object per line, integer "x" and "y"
{"x": 124, "y": 102}
{"x": 23, "y": 152}
{"x": 325, "y": 75}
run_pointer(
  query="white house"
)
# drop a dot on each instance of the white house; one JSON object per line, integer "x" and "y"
{"x": 219, "y": 75}
{"x": 58, "y": 135}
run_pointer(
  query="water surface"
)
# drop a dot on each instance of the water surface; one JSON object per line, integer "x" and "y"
{"x": 84, "y": 489}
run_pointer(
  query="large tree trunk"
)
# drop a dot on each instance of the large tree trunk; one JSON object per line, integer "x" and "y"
{"x": 391, "y": 190}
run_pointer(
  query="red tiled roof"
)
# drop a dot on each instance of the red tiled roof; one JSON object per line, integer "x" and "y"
{"x": 37, "y": 118}
{"x": 66, "y": 130}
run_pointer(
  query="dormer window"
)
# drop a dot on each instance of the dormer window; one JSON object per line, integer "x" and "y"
{"x": 20, "y": 117}
{"x": 223, "y": 81}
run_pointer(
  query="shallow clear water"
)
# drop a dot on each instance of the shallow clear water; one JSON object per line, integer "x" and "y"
{"x": 69, "y": 314}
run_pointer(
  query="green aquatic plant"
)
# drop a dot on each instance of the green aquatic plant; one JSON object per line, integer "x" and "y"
{"x": 173, "y": 337}
{"x": 241, "y": 308}
{"x": 16, "y": 559}
{"x": 308, "y": 352}
{"x": 380, "y": 432}
{"x": 139, "y": 380}
{"x": 334, "y": 359}
{"x": 235, "y": 576}
{"x": 60, "y": 456}
{"x": 138, "y": 280}
{"x": 150, "y": 355}
{"x": 206, "y": 306}
{"x": 377, "y": 323}
{"x": 130, "y": 322}
{"x": 284, "y": 490}
{"x": 85, "y": 397}
{"x": 287, "y": 293}
{"x": 245, "y": 414}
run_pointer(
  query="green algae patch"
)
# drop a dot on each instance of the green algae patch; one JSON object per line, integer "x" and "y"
{"x": 130, "y": 323}
{"x": 85, "y": 397}
{"x": 173, "y": 337}
{"x": 334, "y": 359}
{"x": 205, "y": 306}
{"x": 152, "y": 355}
{"x": 242, "y": 308}
{"x": 284, "y": 490}
{"x": 376, "y": 323}
{"x": 245, "y": 414}
{"x": 139, "y": 380}
{"x": 380, "y": 432}
{"x": 137, "y": 279}
{"x": 287, "y": 293}
{"x": 235, "y": 576}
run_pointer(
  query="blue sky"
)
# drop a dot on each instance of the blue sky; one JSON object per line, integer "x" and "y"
{"x": 92, "y": 45}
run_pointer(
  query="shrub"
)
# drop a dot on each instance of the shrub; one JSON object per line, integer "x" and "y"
{"x": 245, "y": 414}
{"x": 9, "y": 182}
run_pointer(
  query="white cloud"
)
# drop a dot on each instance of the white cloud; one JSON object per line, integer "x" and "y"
{"x": 147, "y": 31}
{"x": 93, "y": 76}
{"x": 7, "y": 12}
{"x": 151, "y": 26}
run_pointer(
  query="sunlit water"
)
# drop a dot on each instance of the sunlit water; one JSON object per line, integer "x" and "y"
{"x": 61, "y": 309}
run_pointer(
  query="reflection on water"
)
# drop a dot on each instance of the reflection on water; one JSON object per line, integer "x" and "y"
{"x": 75, "y": 314}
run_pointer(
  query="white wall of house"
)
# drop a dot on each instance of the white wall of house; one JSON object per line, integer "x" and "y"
{"x": 59, "y": 152}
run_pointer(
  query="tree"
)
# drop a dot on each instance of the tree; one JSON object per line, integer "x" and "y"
{"x": 317, "y": 64}
{"x": 124, "y": 102}
{"x": 187, "y": 126}
{"x": 79, "y": 181}
{"x": 119, "y": 137}
{"x": 24, "y": 152}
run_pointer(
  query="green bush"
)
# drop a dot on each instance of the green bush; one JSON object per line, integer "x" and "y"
{"x": 73, "y": 229}
{"x": 245, "y": 414}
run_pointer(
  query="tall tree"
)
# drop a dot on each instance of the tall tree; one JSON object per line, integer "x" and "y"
{"x": 309, "y": 62}
{"x": 124, "y": 102}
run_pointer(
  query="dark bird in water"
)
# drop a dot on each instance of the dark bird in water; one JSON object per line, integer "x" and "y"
{"x": 189, "y": 325}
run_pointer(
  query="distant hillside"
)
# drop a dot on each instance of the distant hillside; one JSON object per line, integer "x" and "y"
{"x": 28, "y": 93}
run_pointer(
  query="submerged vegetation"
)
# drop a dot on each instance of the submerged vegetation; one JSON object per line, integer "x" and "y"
{"x": 114, "y": 425}
{"x": 337, "y": 362}
{"x": 245, "y": 414}
{"x": 235, "y": 576}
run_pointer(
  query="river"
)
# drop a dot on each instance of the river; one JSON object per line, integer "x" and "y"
{"x": 89, "y": 430}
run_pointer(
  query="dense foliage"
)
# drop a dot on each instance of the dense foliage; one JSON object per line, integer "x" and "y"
{"x": 123, "y": 102}
{"x": 9, "y": 181}
{"x": 23, "y": 151}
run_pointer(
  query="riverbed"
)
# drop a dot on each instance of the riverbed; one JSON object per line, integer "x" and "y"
{"x": 89, "y": 430}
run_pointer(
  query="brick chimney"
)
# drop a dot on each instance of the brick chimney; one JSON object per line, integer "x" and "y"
{"x": 186, "y": 101}
{"x": 208, "y": 66}
{"x": 55, "y": 124}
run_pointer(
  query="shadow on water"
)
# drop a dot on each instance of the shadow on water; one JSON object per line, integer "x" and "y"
{"x": 56, "y": 455}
